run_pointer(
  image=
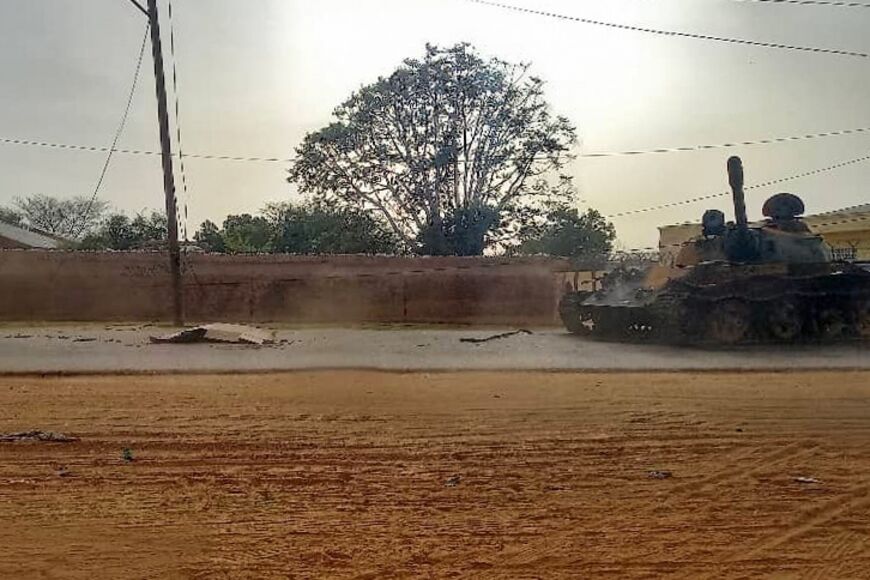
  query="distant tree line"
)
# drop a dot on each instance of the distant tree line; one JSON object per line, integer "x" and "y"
{"x": 306, "y": 227}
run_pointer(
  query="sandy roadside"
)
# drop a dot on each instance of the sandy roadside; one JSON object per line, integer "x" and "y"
{"x": 487, "y": 474}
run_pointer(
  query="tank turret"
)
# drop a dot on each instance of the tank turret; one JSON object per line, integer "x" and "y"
{"x": 783, "y": 237}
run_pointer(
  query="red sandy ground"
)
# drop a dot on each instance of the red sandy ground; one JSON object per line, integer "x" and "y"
{"x": 344, "y": 474}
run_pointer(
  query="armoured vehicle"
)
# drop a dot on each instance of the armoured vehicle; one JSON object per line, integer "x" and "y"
{"x": 735, "y": 283}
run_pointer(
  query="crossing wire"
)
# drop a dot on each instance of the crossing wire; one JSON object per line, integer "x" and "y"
{"x": 727, "y": 145}
{"x": 97, "y": 149}
{"x": 834, "y": 3}
{"x": 750, "y": 187}
{"x": 674, "y": 33}
{"x": 860, "y": 219}
{"x": 111, "y": 150}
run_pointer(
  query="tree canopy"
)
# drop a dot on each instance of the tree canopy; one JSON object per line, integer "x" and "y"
{"x": 316, "y": 228}
{"x": 247, "y": 234}
{"x": 11, "y": 216}
{"x": 308, "y": 227}
{"x": 69, "y": 218}
{"x": 453, "y": 151}
{"x": 209, "y": 237}
{"x": 118, "y": 232}
{"x": 564, "y": 231}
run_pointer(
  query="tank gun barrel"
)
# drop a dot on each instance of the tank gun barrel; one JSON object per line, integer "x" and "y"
{"x": 735, "y": 179}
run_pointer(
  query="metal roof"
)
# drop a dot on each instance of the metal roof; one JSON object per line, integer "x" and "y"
{"x": 28, "y": 238}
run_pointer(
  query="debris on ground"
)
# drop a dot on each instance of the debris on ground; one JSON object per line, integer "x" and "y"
{"x": 127, "y": 455}
{"x": 556, "y": 488}
{"x": 49, "y": 436}
{"x": 453, "y": 481}
{"x": 496, "y": 336}
{"x": 806, "y": 480}
{"x": 659, "y": 474}
{"x": 219, "y": 332}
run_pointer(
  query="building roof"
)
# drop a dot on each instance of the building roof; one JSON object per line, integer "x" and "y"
{"x": 847, "y": 219}
{"x": 28, "y": 238}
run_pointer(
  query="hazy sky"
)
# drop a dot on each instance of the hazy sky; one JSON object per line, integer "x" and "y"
{"x": 256, "y": 75}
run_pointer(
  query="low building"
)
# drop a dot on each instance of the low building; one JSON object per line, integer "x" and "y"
{"x": 847, "y": 231}
{"x": 16, "y": 237}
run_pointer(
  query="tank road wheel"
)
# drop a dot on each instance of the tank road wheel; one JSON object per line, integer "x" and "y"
{"x": 574, "y": 316}
{"x": 728, "y": 322}
{"x": 784, "y": 321}
{"x": 675, "y": 322}
{"x": 861, "y": 324}
{"x": 831, "y": 323}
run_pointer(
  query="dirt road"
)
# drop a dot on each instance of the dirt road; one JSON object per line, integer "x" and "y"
{"x": 472, "y": 475}
{"x": 121, "y": 348}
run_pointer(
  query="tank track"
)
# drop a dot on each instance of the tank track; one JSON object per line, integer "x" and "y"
{"x": 816, "y": 306}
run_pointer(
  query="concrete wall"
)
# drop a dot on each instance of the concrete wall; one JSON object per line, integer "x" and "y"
{"x": 46, "y": 285}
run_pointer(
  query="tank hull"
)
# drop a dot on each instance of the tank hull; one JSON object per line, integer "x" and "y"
{"x": 727, "y": 303}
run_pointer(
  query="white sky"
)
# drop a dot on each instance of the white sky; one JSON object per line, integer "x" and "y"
{"x": 256, "y": 75}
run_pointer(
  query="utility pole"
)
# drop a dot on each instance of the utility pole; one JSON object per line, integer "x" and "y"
{"x": 166, "y": 156}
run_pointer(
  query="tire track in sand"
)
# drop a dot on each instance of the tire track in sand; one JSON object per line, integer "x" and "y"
{"x": 806, "y": 522}
{"x": 736, "y": 468}
{"x": 834, "y": 563}
{"x": 858, "y": 498}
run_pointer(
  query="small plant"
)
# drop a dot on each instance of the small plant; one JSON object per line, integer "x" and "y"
{"x": 127, "y": 455}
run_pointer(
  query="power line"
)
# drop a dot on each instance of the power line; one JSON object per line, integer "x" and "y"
{"x": 727, "y": 193}
{"x": 845, "y": 221}
{"x": 629, "y": 153}
{"x": 140, "y": 7}
{"x": 674, "y": 33}
{"x": 111, "y": 150}
{"x": 834, "y": 3}
{"x": 727, "y": 145}
{"x": 145, "y": 152}
{"x": 178, "y": 118}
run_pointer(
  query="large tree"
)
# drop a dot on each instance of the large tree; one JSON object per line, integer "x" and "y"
{"x": 69, "y": 218}
{"x": 454, "y": 151}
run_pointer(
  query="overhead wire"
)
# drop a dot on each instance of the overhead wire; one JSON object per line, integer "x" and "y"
{"x": 674, "y": 33}
{"x": 602, "y": 154}
{"x": 750, "y": 187}
{"x": 178, "y": 122}
{"x": 83, "y": 217}
{"x": 725, "y": 145}
{"x": 833, "y": 3}
{"x": 614, "y": 215}
{"x": 839, "y": 222}
{"x": 145, "y": 152}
